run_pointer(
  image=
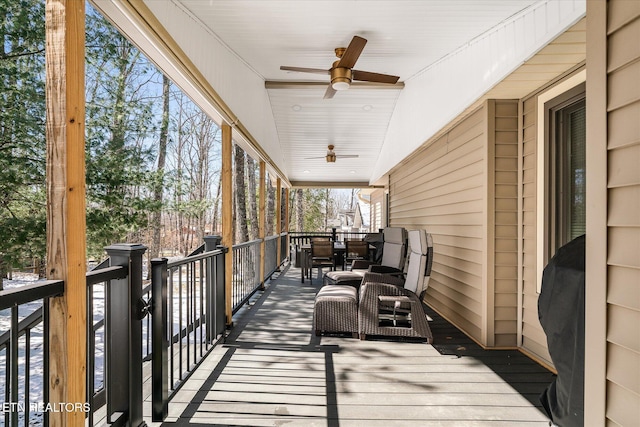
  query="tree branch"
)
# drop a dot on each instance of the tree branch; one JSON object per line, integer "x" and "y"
{"x": 21, "y": 54}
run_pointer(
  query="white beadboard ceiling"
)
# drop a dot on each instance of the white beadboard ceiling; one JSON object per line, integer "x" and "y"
{"x": 416, "y": 40}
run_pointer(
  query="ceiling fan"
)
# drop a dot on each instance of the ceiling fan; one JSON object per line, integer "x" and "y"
{"x": 342, "y": 72}
{"x": 331, "y": 156}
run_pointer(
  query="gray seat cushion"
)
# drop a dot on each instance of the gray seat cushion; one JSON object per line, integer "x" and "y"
{"x": 351, "y": 278}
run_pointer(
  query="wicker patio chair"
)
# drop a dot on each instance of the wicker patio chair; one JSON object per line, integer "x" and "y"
{"x": 391, "y": 305}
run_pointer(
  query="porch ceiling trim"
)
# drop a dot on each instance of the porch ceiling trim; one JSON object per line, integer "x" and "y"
{"x": 330, "y": 184}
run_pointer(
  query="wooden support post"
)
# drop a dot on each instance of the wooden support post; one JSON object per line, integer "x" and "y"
{"x": 286, "y": 219}
{"x": 262, "y": 219}
{"x": 66, "y": 218}
{"x": 227, "y": 216}
{"x": 278, "y": 218}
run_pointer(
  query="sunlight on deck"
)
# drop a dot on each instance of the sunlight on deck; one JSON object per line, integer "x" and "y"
{"x": 273, "y": 370}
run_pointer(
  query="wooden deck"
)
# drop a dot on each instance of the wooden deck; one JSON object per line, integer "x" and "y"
{"x": 274, "y": 371}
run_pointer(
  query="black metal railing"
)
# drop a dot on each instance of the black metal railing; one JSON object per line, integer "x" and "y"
{"x": 271, "y": 262}
{"x": 23, "y": 345}
{"x": 186, "y": 303}
{"x": 188, "y": 312}
{"x": 304, "y": 237}
{"x": 99, "y": 288}
{"x": 246, "y": 272}
{"x": 284, "y": 247}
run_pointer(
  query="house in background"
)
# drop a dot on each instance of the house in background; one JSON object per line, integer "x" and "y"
{"x": 357, "y": 219}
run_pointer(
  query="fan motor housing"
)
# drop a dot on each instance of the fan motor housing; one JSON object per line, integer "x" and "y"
{"x": 340, "y": 74}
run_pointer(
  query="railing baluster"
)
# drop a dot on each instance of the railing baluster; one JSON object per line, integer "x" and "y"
{"x": 27, "y": 374}
{"x": 202, "y": 297}
{"x": 13, "y": 375}
{"x": 159, "y": 382}
{"x": 7, "y": 384}
{"x": 180, "y": 302}
{"x": 91, "y": 345}
{"x": 45, "y": 352}
{"x": 170, "y": 302}
{"x": 188, "y": 313}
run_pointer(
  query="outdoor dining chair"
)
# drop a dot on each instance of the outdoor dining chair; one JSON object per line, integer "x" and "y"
{"x": 322, "y": 255}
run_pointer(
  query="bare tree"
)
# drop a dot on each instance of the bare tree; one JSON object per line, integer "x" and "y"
{"x": 271, "y": 208}
{"x": 252, "y": 197}
{"x": 158, "y": 190}
{"x": 194, "y": 174}
{"x": 242, "y": 231}
{"x": 299, "y": 209}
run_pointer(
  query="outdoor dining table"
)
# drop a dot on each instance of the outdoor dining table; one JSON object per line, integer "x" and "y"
{"x": 339, "y": 250}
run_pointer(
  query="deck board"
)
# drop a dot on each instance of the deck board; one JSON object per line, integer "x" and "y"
{"x": 272, "y": 370}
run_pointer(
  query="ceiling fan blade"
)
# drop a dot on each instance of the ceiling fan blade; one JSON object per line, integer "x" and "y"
{"x": 305, "y": 70}
{"x": 330, "y": 92}
{"x": 366, "y": 76}
{"x": 317, "y": 157}
{"x": 347, "y": 156}
{"x": 351, "y": 55}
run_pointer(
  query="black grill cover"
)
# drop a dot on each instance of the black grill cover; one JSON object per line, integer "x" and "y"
{"x": 561, "y": 314}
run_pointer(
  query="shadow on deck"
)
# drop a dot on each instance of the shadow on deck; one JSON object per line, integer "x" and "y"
{"x": 274, "y": 371}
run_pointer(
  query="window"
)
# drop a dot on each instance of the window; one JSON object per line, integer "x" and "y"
{"x": 560, "y": 167}
{"x": 566, "y": 185}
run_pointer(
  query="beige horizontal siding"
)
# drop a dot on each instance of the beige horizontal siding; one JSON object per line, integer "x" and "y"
{"x": 623, "y": 182}
{"x": 463, "y": 188}
{"x": 533, "y": 338}
{"x": 505, "y": 222}
{"x": 442, "y": 189}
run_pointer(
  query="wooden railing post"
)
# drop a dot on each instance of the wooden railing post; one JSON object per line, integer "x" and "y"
{"x": 286, "y": 223}
{"x": 278, "y": 219}
{"x": 124, "y": 335}
{"x": 262, "y": 218}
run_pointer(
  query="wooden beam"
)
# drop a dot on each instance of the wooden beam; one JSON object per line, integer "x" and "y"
{"x": 328, "y": 184}
{"x": 278, "y": 217}
{"x": 286, "y": 209}
{"x": 227, "y": 216}
{"x": 66, "y": 218}
{"x": 286, "y": 216}
{"x": 262, "y": 220}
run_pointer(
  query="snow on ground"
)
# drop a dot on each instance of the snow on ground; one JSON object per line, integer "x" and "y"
{"x": 36, "y": 381}
{"x": 35, "y": 386}
{"x": 36, "y": 369}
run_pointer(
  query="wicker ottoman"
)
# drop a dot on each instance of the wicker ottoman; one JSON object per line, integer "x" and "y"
{"x": 336, "y": 310}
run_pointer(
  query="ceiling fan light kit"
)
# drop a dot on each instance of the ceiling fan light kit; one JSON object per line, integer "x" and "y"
{"x": 340, "y": 77}
{"x": 342, "y": 73}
